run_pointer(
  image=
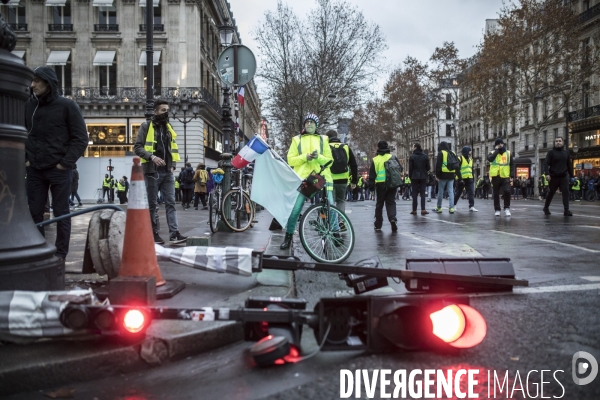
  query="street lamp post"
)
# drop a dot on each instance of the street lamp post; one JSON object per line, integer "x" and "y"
{"x": 149, "y": 60}
{"x": 183, "y": 104}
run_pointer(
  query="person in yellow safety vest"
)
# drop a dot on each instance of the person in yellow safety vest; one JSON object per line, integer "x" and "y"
{"x": 445, "y": 178}
{"x": 576, "y": 189}
{"x": 558, "y": 170}
{"x": 122, "y": 187}
{"x": 383, "y": 195}
{"x": 106, "y": 184}
{"x": 359, "y": 187}
{"x": 465, "y": 178}
{"x": 157, "y": 147}
{"x": 501, "y": 167}
{"x": 344, "y": 171}
{"x": 407, "y": 188}
{"x": 308, "y": 152}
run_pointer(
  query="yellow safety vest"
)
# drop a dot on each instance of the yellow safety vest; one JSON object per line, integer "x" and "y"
{"x": 466, "y": 168}
{"x": 360, "y": 182}
{"x": 151, "y": 142}
{"x": 445, "y": 162}
{"x": 106, "y": 182}
{"x": 544, "y": 180}
{"x": 120, "y": 188}
{"x": 176, "y": 184}
{"x": 343, "y": 174}
{"x": 501, "y": 165}
{"x": 407, "y": 181}
{"x": 576, "y": 185}
{"x": 378, "y": 161}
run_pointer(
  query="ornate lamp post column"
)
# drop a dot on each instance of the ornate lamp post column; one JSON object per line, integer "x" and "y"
{"x": 27, "y": 262}
{"x": 183, "y": 104}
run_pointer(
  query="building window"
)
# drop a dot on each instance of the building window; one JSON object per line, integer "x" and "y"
{"x": 448, "y": 113}
{"x": 107, "y": 19}
{"x": 157, "y": 71}
{"x": 16, "y": 18}
{"x": 555, "y": 133}
{"x": 448, "y": 130}
{"x": 62, "y": 15}
{"x": 526, "y": 140}
{"x": 158, "y": 25}
{"x": 108, "y": 141}
{"x": 448, "y": 98}
{"x": 107, "y": 79}
{"x": 64, "y": 74}
{"x": 544, "y": 139}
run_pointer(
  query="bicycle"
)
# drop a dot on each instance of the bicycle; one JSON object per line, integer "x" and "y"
{"x": 326, "y": 232}
{"x": 214, "y": 200}
{"x": 241, "y": 212}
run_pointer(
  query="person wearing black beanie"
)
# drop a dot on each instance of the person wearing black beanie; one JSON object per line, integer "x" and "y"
{"x": 383, "y": 194}
{"x": 558, "y": 172}
{"x": 501, "y": 169}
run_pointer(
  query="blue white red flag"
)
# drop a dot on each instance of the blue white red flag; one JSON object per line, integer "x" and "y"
{"x": 254, "y": 148}
{"x": 241, "y": 96}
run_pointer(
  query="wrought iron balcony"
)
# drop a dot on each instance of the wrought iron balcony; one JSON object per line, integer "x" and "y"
{"x": 60, "y": 27}
{"x": 106, "y": 27}
{"x": 137, "y": 95}
{"x": 157, "y": 27}
{"x": 18, "y": 27}
{"x": 584, "y": 113}
{"x": 589, "y": 14}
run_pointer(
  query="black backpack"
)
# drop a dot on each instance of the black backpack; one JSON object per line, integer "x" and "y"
{"x": 189, "y": 177}
{"x": 453, "y": 164}
{"x": 393, "y": 173}
{"x": 340, "y": 159}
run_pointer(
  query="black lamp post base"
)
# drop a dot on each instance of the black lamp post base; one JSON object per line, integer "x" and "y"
{"x": 38, "y": 275}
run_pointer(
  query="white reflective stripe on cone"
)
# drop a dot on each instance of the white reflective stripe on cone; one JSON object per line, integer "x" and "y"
{"x": 138, "y": 198}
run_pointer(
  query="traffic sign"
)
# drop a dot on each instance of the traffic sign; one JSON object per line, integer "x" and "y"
{"x": 245, "y": 61}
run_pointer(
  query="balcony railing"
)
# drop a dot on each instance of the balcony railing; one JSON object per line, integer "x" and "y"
{"x": 589, "y": 14}
{"x": 157, "y": 28}
{"x": 18, "y": 27}
{"x": 106, "y": 27}
{"x": 60, "y": 27}
{"x": 584, "y": 113}
{"x": 137, "y": 95}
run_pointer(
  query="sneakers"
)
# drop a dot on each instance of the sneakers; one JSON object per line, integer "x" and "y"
{"x": 507, "y": 212}
{"x": 497, "y": 213}
{"x": 451, "y": 210}
{"x": 394, "y": 226}
{"x": 472, "y": 209}
{"x": 429, "y": 200}
{"x": 547, "y": 212}
{"x": 343, "y": 227}
{"x": 568, "y": 213}
{"x": 438, "y": 210}
{"x": 424, "y": 212}
{"x": 177, "y": 237}
{"x": 158, "y": 239}
{"x": 377, "y": 229}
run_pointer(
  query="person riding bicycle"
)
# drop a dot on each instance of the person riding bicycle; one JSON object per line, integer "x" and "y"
{"x": 308, "y": 152}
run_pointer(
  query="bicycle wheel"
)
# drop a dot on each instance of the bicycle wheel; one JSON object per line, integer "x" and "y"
{"x": 324, "y": 240}
{"x": 241, "y": 212}
{"x": 214, "y": 211}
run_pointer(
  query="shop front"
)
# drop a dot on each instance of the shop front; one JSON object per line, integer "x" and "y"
{"x": 585, "y": 153}
{"x": 522, "y": 167}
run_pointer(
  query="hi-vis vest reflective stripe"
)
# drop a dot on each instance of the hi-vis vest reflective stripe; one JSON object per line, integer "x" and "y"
{"x": 106, "y": 182}
{"x": 466, "y": 168}
{"x": 378, "y": 161}
{"x": 120, "y": 188}
{"x": 577, "y": 185}
{"x": 360, "y": 182}
{"x": 445, "y": 162}
{"x": 407, "y": 180}
{"x": 150, "y": 142}
{"x": 501, "y": 165}
{"x": 336, "y": 145}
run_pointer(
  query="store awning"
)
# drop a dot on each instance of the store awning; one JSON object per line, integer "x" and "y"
{"x": 58, "y": 58}
{"x": 18, "y": 53}
{"x": 154, "y": 3}
{"x": 56, "y": 3}
{"x": 104, "y": 58}
{"x": 102, "y": 3}
{"x": 13, "y": 3}
{"x": 156, "y": 57}
{"x": 522, "y": 161}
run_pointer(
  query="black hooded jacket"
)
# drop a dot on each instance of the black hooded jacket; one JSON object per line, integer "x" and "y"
{"x": 558, "y": 163}
{"x": 440, "y": 159}
{"x": 56, "y": 130}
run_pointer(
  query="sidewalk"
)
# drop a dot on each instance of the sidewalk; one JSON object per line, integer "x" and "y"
{"x": 48, "y": 364}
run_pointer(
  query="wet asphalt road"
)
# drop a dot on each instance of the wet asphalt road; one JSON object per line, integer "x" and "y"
{"x": 526, "y": 331}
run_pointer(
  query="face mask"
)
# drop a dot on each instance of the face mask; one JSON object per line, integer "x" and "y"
{"x": 161, "y": 119}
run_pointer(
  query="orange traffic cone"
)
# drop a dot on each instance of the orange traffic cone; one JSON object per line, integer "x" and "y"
{"x": 139, "y": 256}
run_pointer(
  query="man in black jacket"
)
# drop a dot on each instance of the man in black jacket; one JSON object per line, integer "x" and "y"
{"x": 558, "y": 171}
{"x": 418, "y": 170}
{"x": 57, "y": 138}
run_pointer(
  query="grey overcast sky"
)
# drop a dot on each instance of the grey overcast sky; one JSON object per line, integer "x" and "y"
{"x": 411, "y": 27}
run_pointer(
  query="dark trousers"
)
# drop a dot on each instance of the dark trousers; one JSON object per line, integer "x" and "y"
{"x": 485, "y": 190}
{"x": 122, "y": 197}
{"x": 386, "y": 196}
{"x": 468, "y": 184}
{"x": 106, "y": 192}
{"x": 501, "y": 185}
{"x": 187, "y": 196}
{"x": 418, "y": 187}
{"x": 200, "y": 196}
{"x": 112, "y": 195}
{"x": 59, "y": 183}
{"x": 177, "y": 194}
{"x": 75, "y": 195}
{"x": 554, "y": 184}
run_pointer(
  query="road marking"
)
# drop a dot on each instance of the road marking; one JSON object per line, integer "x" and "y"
{"x": 588, "y": 226}
{"x": 587, "y": 216}
{"x": 591, "y": 278}
{"x": 441, "y": 220}
{"x": 548, "y": 241}
{"x": 556, "y": 289}
{"x": 452, "y": 249}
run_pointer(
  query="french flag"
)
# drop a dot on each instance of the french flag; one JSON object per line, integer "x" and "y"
{"x": 250, "y": 152}
{"x": 241, "y": 96}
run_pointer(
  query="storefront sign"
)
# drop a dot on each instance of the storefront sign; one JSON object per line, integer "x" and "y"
{"x": 592, "y": 137}
{"x": 523, "y": 172}
{"x": 578, "y": 166}
{"x": 587, "y": 166}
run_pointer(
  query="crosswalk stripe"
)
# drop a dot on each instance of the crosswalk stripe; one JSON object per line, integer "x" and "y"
{"x": 591, "y": 278}
{"x": 548, "y": 241}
